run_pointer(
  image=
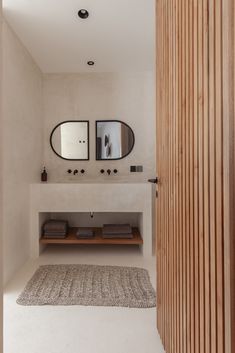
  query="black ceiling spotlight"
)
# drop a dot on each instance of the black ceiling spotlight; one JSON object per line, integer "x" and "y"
{"x": 83, "y": 13}
{"x": 91, "y": 63}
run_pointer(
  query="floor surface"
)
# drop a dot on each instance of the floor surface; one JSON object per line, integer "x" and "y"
{"x": 70, "y": 329}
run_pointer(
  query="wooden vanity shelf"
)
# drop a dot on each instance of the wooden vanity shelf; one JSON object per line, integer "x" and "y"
{"x": 97, "y": 239}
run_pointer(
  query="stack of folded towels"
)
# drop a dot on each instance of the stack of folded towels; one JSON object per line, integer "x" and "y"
{"x": 84, "y": 233}
{"x": 121, "y": 231}
{"x": 55, "y": 229}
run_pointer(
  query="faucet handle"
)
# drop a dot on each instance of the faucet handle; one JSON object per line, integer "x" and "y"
{"x": 115, "y": 171}
{"x": 102, "y": 171}
{"x": 69, "y": 171}
{"x": 82, "y": 171}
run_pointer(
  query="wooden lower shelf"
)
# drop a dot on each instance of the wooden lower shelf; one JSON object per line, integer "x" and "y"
{"x": 97, "y": 239}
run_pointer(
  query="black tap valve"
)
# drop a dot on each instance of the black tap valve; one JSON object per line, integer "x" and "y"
{"x": 115, "y": 171}
{"x": 102, "y": 171}
{"x": 69, "y": 171}
{"x": 82, "y": 171}
{"x": 109, "y": 171}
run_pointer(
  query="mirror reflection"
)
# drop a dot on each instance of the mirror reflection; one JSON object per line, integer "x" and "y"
{"x": 114, "y": 139}
{"x": 70, "y": 140}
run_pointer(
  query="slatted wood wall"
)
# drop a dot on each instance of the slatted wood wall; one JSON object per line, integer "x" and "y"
{"x": 191, "y": 296}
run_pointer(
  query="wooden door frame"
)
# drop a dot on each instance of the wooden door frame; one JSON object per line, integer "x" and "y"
{"x": 229, "y": 170}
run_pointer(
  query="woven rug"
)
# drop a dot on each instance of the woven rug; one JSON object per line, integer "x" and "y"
{"x": 89, "y": 285}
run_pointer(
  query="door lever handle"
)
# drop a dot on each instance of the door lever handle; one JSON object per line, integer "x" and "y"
{"x": 154, "y": 181}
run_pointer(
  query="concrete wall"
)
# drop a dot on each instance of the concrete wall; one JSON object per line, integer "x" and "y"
{"x": 129, "y": 97}
{"x": 22, "y": 146}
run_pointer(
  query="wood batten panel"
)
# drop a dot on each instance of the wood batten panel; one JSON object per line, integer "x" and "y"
{"x": 219, "y": 177}
{"x": 207, "y": 314}
{"x": 195, "y": 174}
{"x": 191, "y": 173}
{"x": 193, "y": 242}
{"x": 212, "y": 173}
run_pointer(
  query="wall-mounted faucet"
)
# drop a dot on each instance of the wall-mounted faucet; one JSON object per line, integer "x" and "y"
{"x": 82, "y": 171}
{"x": 109, "y": 171}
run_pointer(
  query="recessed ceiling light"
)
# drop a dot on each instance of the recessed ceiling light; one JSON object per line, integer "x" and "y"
{"x": 83, "y": 13}
{"x": 91, "y": 63}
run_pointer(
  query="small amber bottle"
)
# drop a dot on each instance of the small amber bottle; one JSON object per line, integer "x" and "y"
{"x": 44, "y": 175}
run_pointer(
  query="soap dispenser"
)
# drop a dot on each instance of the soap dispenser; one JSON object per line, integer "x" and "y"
{"x": 44, "y": 175}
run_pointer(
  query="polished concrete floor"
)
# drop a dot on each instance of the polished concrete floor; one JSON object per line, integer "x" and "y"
{"x": 70, "y": 329}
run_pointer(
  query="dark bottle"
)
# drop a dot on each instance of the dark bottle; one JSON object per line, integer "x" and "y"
{"x": 44, "y": 175}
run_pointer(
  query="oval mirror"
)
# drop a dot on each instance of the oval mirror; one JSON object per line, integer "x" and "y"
{"x": 114, "y": 140}
{"x": 70, "y": 140}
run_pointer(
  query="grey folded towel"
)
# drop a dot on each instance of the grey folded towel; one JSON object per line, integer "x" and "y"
{"x": 54, "y": 233}
{"x": 54, "y": 236}
{"x": 55, "y": 225}
{"x": 116, "y": 229}
{"x": 85, "y": 237}
{"x": 117, "y": 236}
{"x": 85, "y": 233}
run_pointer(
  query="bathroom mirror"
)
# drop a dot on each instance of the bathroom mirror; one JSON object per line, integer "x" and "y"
{"x": 70, "y": 140}
{"x": 114, "y": 140}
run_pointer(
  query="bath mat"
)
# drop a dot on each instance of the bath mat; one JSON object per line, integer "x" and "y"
{"x": 89, "y": 285}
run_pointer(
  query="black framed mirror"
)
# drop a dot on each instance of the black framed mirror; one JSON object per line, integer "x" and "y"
{"x": 70, "y": 140}
{"x": 114, "y": 140}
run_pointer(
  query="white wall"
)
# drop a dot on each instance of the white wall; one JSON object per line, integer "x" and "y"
{"x": 128, "y": 97}
{"x": 22, "y": 146}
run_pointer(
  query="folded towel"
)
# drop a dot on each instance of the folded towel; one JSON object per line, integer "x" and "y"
{"x": 55, "y": 233}
{"x": 116, "y": 236}
{"x": 84, "y": 237}
{"x": 51, "y": 236}
{"x": 55, "y": 225}
{"x": 85, "y": 233}
{"x": 116, "y": 229}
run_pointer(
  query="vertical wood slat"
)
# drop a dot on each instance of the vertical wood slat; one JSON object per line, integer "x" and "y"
{"x": 191, "y": 173}
{"x": 229, "y": 169}
{"x": 195, "y": 174}
{"x": 191, "y": 244}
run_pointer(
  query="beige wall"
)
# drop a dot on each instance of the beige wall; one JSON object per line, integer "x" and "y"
{"x": 129, "y": 97}
{"x": 22, "y": 143}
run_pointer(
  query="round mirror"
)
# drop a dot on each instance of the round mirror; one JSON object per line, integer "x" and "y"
{"x": 70, "y": 140}
{"x": 114, "y": 140}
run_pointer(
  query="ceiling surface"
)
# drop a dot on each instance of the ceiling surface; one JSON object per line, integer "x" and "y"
{"x": 119, "y": 35}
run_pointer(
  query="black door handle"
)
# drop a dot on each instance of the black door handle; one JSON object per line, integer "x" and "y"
{"x": 154, "y": 181}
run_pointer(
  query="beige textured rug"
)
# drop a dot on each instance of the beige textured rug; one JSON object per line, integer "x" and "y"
{"x": 89, "y": 285}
